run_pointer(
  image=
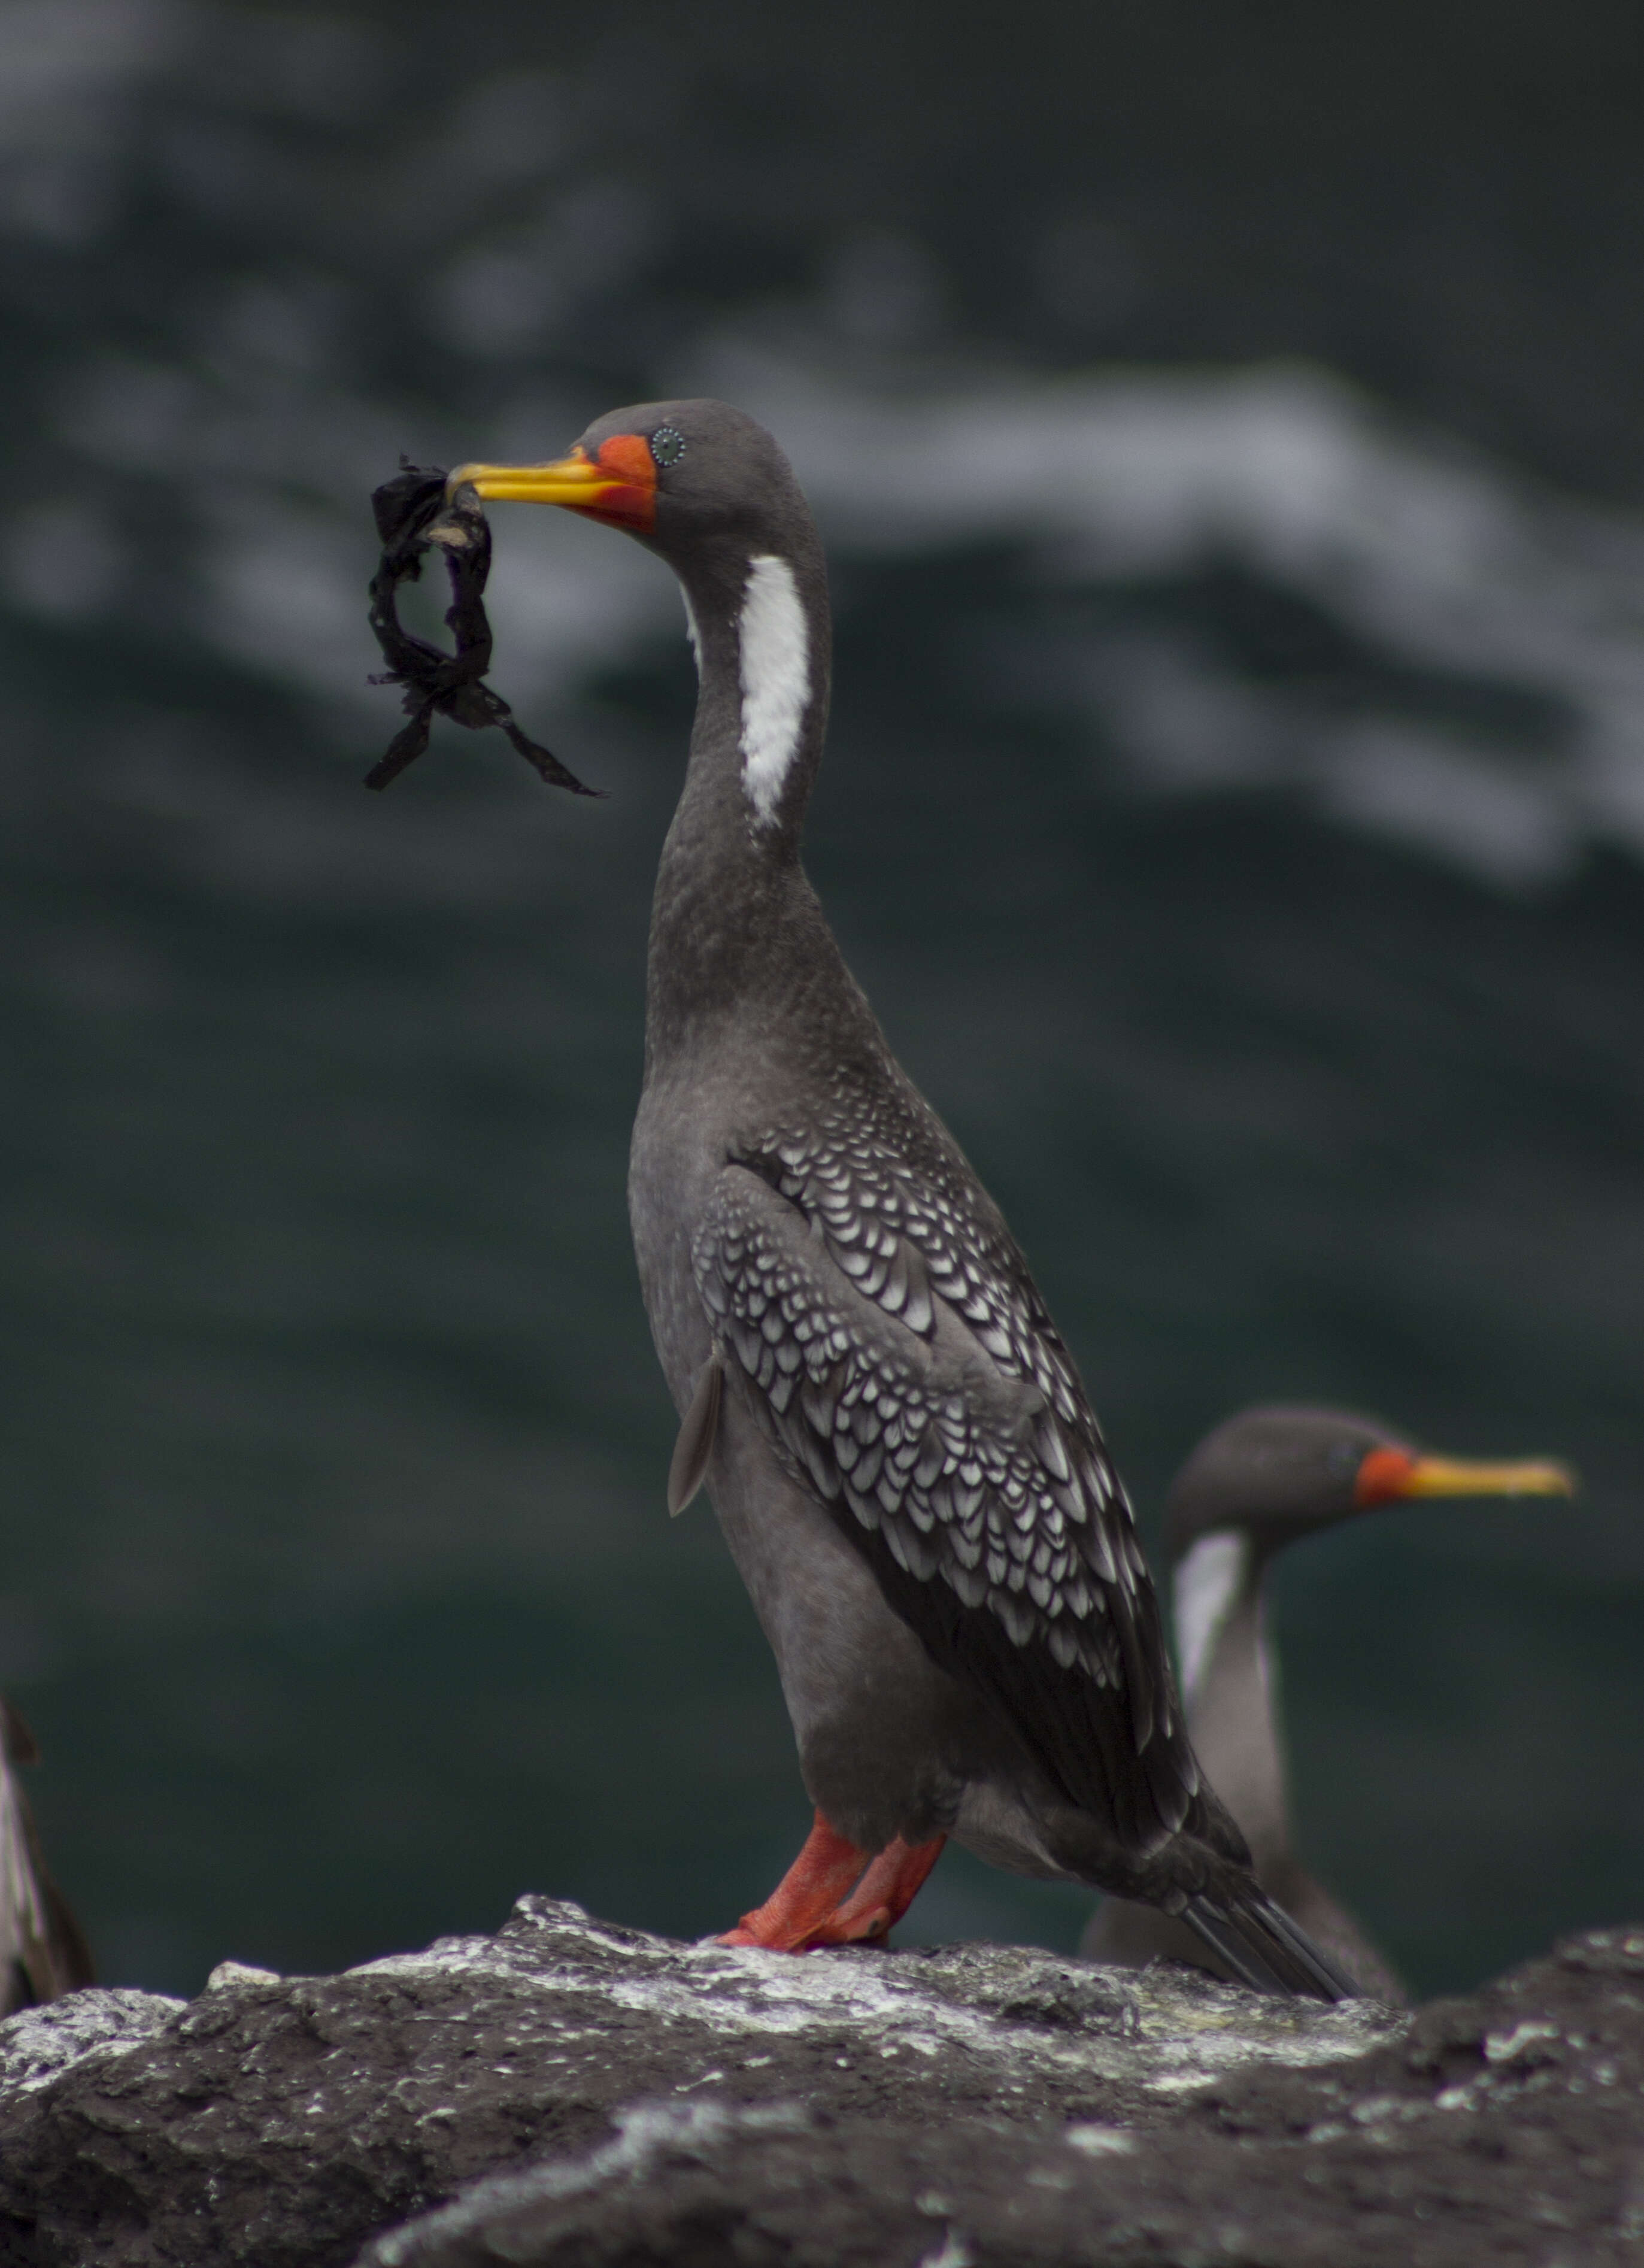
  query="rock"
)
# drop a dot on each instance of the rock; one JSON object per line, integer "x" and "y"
{"x": 606, "y": 2095}
{"x": 37, "y": 2044}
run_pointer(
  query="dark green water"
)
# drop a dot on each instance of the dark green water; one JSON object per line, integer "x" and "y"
{"x": 334, "y": 1572}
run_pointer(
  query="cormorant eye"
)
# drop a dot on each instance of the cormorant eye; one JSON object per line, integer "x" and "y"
{"x": 668, "y": 446}
{"x": 1344, "y": 1459}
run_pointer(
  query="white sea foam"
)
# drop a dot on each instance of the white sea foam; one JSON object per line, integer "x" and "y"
{"x": 1434, "y": 561}
{"x": 1435, "y": 558}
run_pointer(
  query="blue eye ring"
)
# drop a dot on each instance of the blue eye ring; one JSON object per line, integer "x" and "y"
{"x": 668, "y": 446}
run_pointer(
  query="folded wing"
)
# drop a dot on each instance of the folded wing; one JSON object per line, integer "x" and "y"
{"x": 909, "y": 1376}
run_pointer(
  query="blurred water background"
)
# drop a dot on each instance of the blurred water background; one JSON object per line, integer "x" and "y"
{"x": 1226, "y": 426}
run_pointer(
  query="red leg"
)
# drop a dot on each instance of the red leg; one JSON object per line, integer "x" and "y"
{"x": 892, "y": 1883}
{"x": 818, "y": 1881}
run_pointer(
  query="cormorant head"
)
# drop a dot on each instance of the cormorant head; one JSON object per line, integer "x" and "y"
{"x": 1277, "y": 1473}
{"x": 688, "y": 478}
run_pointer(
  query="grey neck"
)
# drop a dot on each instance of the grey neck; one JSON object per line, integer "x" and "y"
{"x": 1229, "y": 1680}
{"x": 734, "y": 920}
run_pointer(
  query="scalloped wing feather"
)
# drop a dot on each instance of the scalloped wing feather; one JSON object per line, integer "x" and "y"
{"x": 910, "y": 1376}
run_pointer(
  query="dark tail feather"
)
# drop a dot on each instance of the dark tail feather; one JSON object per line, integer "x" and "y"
{"x": 1329, "y": 1979}
{"x": 1217, "y": 1929}
{"x": 1266, "y": 1950}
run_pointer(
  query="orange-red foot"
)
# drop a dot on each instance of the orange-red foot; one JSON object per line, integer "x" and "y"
{"x": 821, "y": 1901}
{"x": 815, "y": 1885}
{"x": 892, "y": 1883}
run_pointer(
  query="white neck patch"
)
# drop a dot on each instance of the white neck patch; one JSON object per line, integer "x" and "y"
{"x": 691, "y": 631}
{"x": 776, "y": 672}
{"x": 1207, "y": 1582}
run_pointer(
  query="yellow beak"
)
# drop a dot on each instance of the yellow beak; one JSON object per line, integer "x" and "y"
{"x": 574, "y": 481}
{"x": 1459, "y": 1476}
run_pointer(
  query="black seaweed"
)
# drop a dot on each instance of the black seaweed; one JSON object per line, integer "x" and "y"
{"x": 414, "y": 515}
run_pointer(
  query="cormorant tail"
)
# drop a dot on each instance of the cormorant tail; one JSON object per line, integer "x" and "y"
{"x": 1266, "y": 1950}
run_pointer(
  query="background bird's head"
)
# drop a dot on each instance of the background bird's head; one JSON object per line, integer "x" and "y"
{"x": 1278, "y": 1472}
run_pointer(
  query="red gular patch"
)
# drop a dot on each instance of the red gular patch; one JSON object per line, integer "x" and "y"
{"x": 631, "y": 501}
{"x": 1384, "y": 1475}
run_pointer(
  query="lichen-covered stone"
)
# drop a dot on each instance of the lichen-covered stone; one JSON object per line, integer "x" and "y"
{"x": 597, "y": 2094}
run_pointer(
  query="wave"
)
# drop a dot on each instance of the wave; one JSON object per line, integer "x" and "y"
{"x": 1493, "y": 711}
{"x": 1498, "y": 720}
{"x": 1469, "y": 587}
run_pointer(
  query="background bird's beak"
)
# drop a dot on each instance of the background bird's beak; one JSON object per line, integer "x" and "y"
{"x": 618, "y": 485}
{"x": 1388, "y": 1476}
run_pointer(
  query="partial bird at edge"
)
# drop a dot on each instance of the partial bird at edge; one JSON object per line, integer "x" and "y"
{"x": 43, "y": 1951}
{"x": 1261, "y": 1481}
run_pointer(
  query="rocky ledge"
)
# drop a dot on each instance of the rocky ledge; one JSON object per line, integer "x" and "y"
{"x": 573, "y": 2094}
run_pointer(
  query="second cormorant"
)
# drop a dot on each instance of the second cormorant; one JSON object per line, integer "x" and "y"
{"x": 1259, "y": 1482}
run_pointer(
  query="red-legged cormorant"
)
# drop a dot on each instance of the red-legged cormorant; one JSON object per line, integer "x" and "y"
{"x": 1257, "y": 1483}
{"x": 895, "y": 1438}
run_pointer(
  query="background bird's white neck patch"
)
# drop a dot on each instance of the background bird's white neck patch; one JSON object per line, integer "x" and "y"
{"x": 1207, "y": 1582}
{"x": 776, "y": 671}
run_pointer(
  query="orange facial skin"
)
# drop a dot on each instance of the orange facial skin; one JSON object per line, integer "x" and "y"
{"x": 631, "y": 501}
{"x": 619, "y": 485}
{"x": 1383, "y": 1476}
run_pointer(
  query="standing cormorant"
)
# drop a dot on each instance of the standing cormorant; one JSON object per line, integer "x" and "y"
{"x": 1257, "y": 1483}
{"x": 894, "y": 1436}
